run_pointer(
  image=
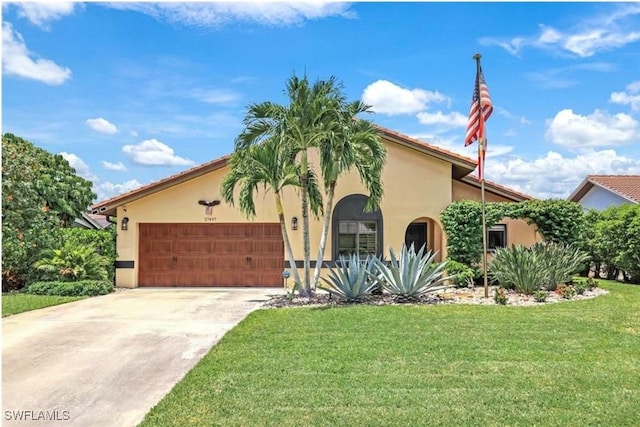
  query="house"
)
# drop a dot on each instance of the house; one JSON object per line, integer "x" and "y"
{"x": 601, "y": 191}
{"x": 177, "y": 232}
{"x": 91, "y": 221}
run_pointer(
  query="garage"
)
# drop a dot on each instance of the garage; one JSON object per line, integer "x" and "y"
{"x": 219, "y": 254}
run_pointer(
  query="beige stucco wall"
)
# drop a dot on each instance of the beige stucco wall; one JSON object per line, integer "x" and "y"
{"x": 518, "y": 231}
{"x": 180, "y": 204}
{"x": 417, "y": 187}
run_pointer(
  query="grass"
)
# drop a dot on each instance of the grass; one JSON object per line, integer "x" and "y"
{"x": 572, "y": 363}
{"x": 14, "y": 303}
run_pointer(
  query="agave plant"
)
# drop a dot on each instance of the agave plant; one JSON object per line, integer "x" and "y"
{"x": 352, "y": 279}
{"x": 560, "y": 262}
{"x": 411, "y": 274}
{"x": 520, "y": 268}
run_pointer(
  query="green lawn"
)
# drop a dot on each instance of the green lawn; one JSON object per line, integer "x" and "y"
{"x": 18, "y": 303}
{"x": 573, "y": 363}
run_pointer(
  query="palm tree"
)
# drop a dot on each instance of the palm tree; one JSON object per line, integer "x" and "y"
{"x": 267, "y": 164}
{"x": 299, "y": 126}
{"x": 353, "y": 143}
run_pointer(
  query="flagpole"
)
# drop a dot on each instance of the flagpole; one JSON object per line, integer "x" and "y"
{"x": 481, "y": 149}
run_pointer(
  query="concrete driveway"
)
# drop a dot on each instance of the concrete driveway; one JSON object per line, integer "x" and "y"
{"x": 106, "y": 361}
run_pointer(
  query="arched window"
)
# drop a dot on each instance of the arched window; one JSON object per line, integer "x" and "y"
{"x": 355, "y": 231}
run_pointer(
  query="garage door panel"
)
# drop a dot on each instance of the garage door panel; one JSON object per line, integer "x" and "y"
{"x": 242, "y": 254}
{"x": 192, "y": 247}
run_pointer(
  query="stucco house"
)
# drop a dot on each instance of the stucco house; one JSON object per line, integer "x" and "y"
{"x": 602, "y": 191}
{"x": 177, "y": 232}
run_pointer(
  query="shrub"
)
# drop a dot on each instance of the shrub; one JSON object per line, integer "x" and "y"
{"x": 566, "y": 291}
{"x": 560, "y": 262}
{"x": 461, "y": 275}
{"x": 500, "y": 296}
{"x": 518, "y": 267}
{"x": 412, "y": 274}
{"x": 70, "y": 289}
{"x": 352, "y": 279}
{"x": 591, "y": 283}
{"x": 73, "y": 263}
{"x": 104, "y": 242}
{"x": 540, "y": 296}
{"x": 580, "y": 287}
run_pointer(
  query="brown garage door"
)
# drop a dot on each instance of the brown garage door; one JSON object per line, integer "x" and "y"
{"x": 210, "y": 255}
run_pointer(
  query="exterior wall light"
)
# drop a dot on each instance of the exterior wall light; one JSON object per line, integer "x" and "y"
{"x": 294, "y": 223}
{"x": 124, "y": 225}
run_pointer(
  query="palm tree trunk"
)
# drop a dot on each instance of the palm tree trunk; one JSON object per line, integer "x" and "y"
{"x": 325, "y": 233}
{"x": 304, "y": 182}
{"x": 285, "y": 238}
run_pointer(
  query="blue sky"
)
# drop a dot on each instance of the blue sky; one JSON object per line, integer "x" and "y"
{"x": 131, "y": 93}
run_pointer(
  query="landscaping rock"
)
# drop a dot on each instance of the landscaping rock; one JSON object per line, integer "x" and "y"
{"x": 448, "y": 296}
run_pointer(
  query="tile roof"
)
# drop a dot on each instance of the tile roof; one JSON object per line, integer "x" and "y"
{"x": 497, "y": 188}
{"x": 462, "y": 166}
{"x": 627, "y": 186}
{"x": 425, "y": 145}
{"x": 108, "y": 206}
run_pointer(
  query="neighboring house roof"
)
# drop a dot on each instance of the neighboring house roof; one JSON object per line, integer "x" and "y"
{"x": 92, "y": 221}
{"x": 625, "y": 186}
{"x": 461, "y": 166}
{"x": 498, "y": 189}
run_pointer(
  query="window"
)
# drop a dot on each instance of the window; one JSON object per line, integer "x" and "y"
{"x": 354, "y": 231}
{"x": 357, "y": 237}
{"x": 497, "y": 237}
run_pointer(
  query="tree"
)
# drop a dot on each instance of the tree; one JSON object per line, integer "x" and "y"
{"x": 269, "y": 165}
{"x": 300, "y": 125}
{"x": 353, "y": 143}
{"x": 40, "y": 191}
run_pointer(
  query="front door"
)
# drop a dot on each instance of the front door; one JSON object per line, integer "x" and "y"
{"x": 416, "y": 235}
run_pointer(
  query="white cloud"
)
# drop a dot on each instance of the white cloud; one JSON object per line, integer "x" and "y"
{"x": 214, "y": 96}
{"x": 152, "y": 152}
{"x": 218, "y": 14}
{"x": 133, "y": 133}
{"x": 18, "y": 61}
{"x": 388, "y": 98}
{"x": 588, "y": 43}
{"x": 452, "y": 119}
{"x": 600, "y": 33}
{"x": 556, "y": 176}
{"x": 598, "y": 129}
{"x": 562, "y": 77}
{"x": 630, "y": 97}
{"x": 107, "y": 189}
{"x": 82, "y": 169}
{"x": 509, "y": 133}
{"x": 103, "y": 126}
{"x": 41, "y": 13}
{"x": 524, "y": 121}
{"x": 118, "y": 167}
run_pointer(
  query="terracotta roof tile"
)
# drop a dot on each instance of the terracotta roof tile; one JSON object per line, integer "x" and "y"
{"x": 426, "y": 145}
{"x": 193, "y": 172}
{"x": 490, "y": 185}
{"x": 627, "y": 186}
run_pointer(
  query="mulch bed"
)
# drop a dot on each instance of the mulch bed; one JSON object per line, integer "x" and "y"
{"x": 448, "y": 296}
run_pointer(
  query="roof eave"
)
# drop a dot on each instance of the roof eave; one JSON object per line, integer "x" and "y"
{"x": 109, "y": 207}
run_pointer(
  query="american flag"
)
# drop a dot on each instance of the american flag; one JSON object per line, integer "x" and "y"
{"x": 475, "y": 127}
{"x": 478, "y": 115}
